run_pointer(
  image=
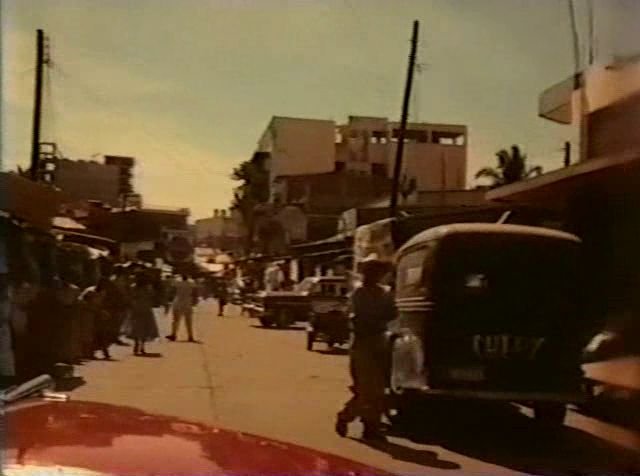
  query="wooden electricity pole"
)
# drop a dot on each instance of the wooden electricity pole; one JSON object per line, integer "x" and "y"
{"x": 567, "y": 154}
{"x": 37, "y": 106}
{"x": 397, "y": 169}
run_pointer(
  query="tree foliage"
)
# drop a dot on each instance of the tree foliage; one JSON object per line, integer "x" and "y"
{"x": 252, "y": 190}
{"x": 512, "y": 167}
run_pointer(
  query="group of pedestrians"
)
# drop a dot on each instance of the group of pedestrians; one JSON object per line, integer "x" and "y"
{"x": 121, "y": 305}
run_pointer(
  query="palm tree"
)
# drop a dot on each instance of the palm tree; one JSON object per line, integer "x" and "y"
{"x": 252, "y": 191}
{"x": 512, "y": 167}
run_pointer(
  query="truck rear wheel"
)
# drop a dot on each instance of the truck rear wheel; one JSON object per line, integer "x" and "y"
{"x": 265, "y": 322}
{"x": 402, "y": 409}
{"x": 550, "y": 414}
{"x": 311, "y": 338}
{"x": 283, "y": 319}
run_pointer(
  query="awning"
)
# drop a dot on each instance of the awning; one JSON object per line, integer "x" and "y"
{"x": 339, "y": 238}
{"x": 339, "y": 252}
{"x": 87, "y": 239}
{"x": 67, "y": 223}
{"x": 617, "y": 174}
{"x": 97, "y": 253}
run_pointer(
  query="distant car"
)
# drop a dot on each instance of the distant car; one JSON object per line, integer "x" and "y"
{"x": 284, "y": 308}
{"x": 82, "y": 438}
{"x": 329, "y": 317}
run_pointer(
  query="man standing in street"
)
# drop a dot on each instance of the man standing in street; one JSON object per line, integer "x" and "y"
{"x": 183, "y": 307}
{"x": 220, "y": 293}
{"x": 372, "y": 307}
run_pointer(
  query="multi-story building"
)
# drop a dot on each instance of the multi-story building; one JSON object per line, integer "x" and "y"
{"x": 435, "y": 155}
{"x": 87, "y": 180}
{"x": 324, "y": 168}
{"x": 125, "y": 172}
{"x": 147, "y": 231}
{"x": 109, "y": 182}
{"x": 595, "y": 195}
{"x": 223, "y": 230}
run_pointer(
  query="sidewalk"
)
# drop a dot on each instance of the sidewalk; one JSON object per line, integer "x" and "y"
{"x": 173, "y": 379}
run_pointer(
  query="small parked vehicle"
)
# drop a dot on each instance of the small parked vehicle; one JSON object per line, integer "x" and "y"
{"x": 488, "y": 312}
{"x": 281, "y": 308}
{"x": 328, "y": 316}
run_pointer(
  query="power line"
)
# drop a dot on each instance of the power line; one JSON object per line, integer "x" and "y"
{"x": 152, "y": 139}
{"x": 591, "y": 32}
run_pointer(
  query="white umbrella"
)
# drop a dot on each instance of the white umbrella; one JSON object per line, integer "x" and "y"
{"x": 223, "y": 259}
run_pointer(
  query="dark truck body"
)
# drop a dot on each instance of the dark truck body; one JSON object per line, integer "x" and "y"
{"x": 284, "y": 308}
{"x": 489, "y": 312}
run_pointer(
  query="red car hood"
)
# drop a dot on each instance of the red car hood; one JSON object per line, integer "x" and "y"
{"x": 83, "y": 438}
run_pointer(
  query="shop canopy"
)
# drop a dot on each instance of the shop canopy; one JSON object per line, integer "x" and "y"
{"x": 66, "y": 223}
{"x": 615, "y": 175}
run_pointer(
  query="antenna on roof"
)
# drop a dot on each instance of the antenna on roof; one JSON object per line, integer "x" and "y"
{"x": 505, "y": 217}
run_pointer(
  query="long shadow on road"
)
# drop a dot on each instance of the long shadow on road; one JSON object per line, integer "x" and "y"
{"x": 280, "y": 329}
{"x": 503, "y": 436}
{"x": 410, "y": 455}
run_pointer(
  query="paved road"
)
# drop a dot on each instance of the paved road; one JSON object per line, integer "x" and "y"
{"x": 263, "y": 381}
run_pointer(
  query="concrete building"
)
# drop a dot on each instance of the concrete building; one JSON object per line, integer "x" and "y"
{"x": 603, "y": 101}
{"x": 87, "y": 180}
{"x": 223, "y": 230}
{"x": 125, "y": 172}
{"x": 435, "y": 155}
{"x": 110, "y": 182}
{"x": 324, "y": 168}
{"x": 148, "y": 230}
{"x": 595, "y": 195}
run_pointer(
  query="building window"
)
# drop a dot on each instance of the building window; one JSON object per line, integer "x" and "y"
{"x": 339, "y": 137}
{"x": 379, "y": 170}
{"x": 379, "y": 137}
{"x": 448, "y": 138}
{"x": 411, "y": 136}
{"x": 339, "y": 166}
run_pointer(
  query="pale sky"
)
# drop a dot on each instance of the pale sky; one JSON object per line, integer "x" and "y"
{"x": 188, "y": 86}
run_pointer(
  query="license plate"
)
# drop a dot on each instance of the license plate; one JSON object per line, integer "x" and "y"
{"x": 467, "y": 374}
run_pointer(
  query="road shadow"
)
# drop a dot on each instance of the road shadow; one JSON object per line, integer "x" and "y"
{"x": 614, "y": 404}
{"x": 409, "y": 455}
{"x": 69, "y": 384}
{"x": 502, "y": 435}
{"x": 280, "y": 329}
{"x": 152, "y": 355}
{"x": 333, "y": 351}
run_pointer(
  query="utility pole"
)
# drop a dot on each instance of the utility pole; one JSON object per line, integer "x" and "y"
{"x": 591, "y": 32}
{"x": 37, "y": 105}
{"x": 567, "y": 154}
{"x": 397, "y": 169}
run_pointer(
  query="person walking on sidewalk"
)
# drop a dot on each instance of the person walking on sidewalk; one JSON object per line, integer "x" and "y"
{"x": 373, "y": 307}
{"x": 93, "y": 307}
{"x": 221, "y": 293}
{"x": 183, "y": 302}
{"x": 117, "y": 302}
{"x": 143, "y": 326}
